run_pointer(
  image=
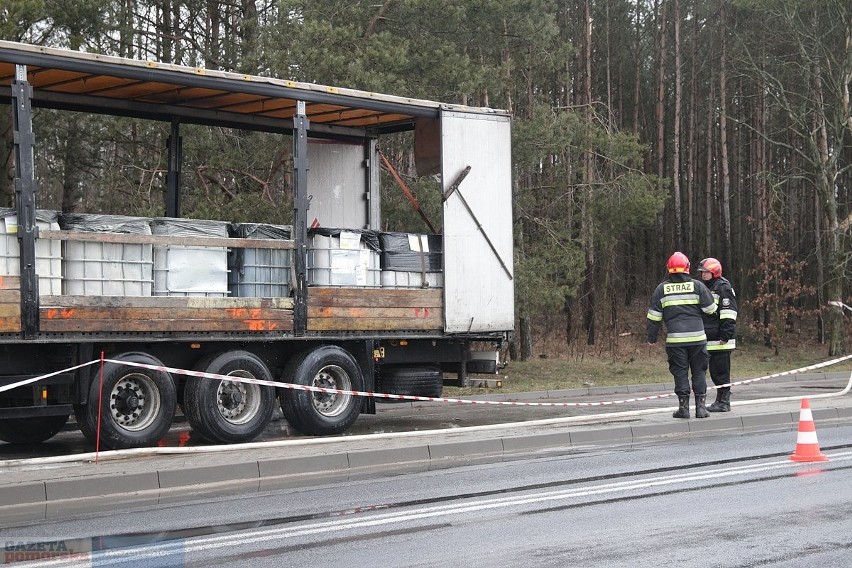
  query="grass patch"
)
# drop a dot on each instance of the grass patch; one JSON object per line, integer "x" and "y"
{"x": 641, "y": 366}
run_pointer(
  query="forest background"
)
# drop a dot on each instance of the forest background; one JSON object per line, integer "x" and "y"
{"x": 716, "y": 127}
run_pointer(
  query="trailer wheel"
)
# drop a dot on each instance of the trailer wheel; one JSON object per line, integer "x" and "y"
{"x": 81, "y": 417}
{"x": 229, "y": 411}
{"x": 319, "y": 413}
{"x": 424, "y": 380}
{"x": 31, "y": 430}
{"x": 138, "y": 404}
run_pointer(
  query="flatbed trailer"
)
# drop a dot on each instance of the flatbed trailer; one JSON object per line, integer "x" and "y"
{"x": 341, "y": 327}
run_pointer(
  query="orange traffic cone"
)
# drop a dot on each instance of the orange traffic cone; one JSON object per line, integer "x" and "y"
{"x": 807, "y": 446}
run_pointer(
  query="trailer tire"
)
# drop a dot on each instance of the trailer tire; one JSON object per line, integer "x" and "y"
{"x": 81, "y": 417}
{"x": 31, "y": 430}
{"x": 423, "y": 380}
{"x": 138, "y": 404}
{"x": 316, "y": 413}
{"x": 227, "y": 411}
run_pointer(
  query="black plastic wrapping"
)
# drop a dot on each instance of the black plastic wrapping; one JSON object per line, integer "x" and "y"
{"x": 97, "y": 223}
{"x": 398, "y": 256}
{"x": 368, "y": 237}
{"x": 42, "y": 215}
{"x": 261, "y": 231}
{"x": 188, "y": 227}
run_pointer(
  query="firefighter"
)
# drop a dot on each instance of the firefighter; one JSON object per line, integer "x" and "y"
{"x": 721, "y": 331}
{"x": 681, "y": 302}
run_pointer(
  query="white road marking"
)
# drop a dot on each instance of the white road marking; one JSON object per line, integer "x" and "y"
{"x": 213, "y": 542}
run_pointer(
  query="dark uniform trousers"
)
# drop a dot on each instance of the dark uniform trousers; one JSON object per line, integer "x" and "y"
{"x": 682, "y": 360}
{"x": 720, "y": 367}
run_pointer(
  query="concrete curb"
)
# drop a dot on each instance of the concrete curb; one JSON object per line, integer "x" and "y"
{"x": 86, "y": 494}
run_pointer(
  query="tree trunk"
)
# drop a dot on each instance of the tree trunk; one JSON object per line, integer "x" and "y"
{"x": 609, "y": 103}
{"x": 526, "y": 339}
{"x": 588, "y": 180}
{"x": 762, "y": 205}
{"x": 678, "y": 206}
{"x": 371, "y": 28}
{"x": 568, "y": 310}
{"x": 660, "y": 113}
{"x": 725, "y": 255}
{"x": 709, "y": 197}
{"x": 637, "y": 68}
{"x": 211, "y": 39}
{"x": 248, "y": 37}
{"x": 818, "y": 254}
{"x": 692, "y": 151}
{"x": 825, "y": 186}
{"x": 72, "y": 157}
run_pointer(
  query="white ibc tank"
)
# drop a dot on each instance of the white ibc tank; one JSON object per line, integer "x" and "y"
{"x": 107, "y": 269}
{"x": 342, "y": 259}
{"x": 397, "y": 279}
{"x": 257, "y": 272}
{"x": 411, "y": 260}
{"x": 190, "y": 270}
{"x": 48, "y": 253}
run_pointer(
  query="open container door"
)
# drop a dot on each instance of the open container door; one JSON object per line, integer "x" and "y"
{"x": 478, "y": 271}
{"x": 342, "y": 192}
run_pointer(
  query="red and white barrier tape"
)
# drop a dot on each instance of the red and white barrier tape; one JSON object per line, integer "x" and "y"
{"x": 325, "y": 390}
{"x": 47, "y": 376}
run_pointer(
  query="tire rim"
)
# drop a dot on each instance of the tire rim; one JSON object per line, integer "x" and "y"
{"x": 331, "y": 377}
{"x": 134, "y": 402}
{"x": 238, "y": 402}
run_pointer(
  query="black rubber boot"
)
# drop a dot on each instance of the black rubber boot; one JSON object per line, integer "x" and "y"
{"x": 700, "y": 409}
{"x": 683, "y": 407}
{"x": 723, "y": 401}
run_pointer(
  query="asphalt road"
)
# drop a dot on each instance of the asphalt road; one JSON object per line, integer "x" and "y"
{"x": 732, "y": 500}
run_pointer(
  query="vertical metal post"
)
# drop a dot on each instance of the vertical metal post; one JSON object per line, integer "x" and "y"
{"x": 24, "y": 141}
{"x": 372, "y": 173}
{"x": 175, "y": 148}
{"x": 301, "y": 124}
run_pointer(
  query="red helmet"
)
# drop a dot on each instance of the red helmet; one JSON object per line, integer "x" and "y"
{"x": 678, "y": 263}
{"x": 712, "y": 266}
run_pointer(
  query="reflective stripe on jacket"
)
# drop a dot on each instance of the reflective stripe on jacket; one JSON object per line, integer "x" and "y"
{"x": 680, "y": 302}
